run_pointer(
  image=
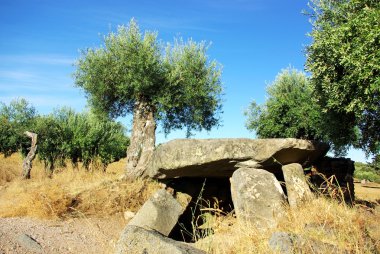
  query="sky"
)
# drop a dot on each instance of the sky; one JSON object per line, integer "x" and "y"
{"x": 252, "y": 39}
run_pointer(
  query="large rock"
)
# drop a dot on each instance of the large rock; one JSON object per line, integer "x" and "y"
{"x": 136, "y": 240}
{"x": 257, "y": 196}
{"x": 296, "y": 186}
{"x": 219, "y": 157}
{"x": 161, "y": 212}
{"x": 288, "y": 243}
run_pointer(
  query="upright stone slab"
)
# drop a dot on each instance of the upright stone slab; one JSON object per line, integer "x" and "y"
{"x": 296, "y": 186}
{"x": 221, "y": 157}
{"x": 160, "y": 212}
{"x": 257, "y": 196}
{"x": 136, "y": 240}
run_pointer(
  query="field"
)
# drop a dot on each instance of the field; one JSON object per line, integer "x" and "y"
{"x": 98, "y": 200}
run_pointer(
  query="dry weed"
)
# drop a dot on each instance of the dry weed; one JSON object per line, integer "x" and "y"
{"x": 321, "y": 219}
{"x": 71, "y": 192}
{"x": 10, "y": 168}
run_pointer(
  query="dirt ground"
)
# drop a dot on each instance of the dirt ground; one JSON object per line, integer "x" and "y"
{"x": 85, "y": 235}
{"x": 369, "y": 192}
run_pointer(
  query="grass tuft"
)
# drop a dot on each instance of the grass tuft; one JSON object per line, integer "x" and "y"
{"x": 69, "y": 192}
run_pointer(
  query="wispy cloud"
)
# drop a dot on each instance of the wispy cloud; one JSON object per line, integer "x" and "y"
{"x": 38, "y": 59}
{"x": 236, "y": 5}
{"x": 173, "y": 23}
{"x": 16, "y": 75}
{"x": 36, "y": 87}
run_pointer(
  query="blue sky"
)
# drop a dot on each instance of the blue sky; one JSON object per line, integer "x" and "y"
{"x": 253, "y": 40}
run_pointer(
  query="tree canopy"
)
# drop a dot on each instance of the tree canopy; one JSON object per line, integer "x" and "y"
{"x": 291, "y": 111}
{"x": 177, "y": 80}
{"x": 132, "y": 72}
{"x": 344, "y": 60}
{"x": 15, "y": 119}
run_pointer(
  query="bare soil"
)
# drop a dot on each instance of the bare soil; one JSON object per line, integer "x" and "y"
{"x": 84, "y": 235}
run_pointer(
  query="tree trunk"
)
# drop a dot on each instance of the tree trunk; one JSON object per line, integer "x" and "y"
{"x": 143, "y": 140}
{"x": 27, "y": 163}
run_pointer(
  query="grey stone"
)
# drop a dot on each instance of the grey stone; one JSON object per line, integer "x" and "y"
{"x": 257, "y": 196}
{"x": 221, "y": 157}
{"x": 161, "y": 212}
{"x": 288, "y": 243}
{"x": 281, "y": 242}
{"x": 136, "y": 240}
{"x": 29, "y": 243}
{"x": 296, "y": 186}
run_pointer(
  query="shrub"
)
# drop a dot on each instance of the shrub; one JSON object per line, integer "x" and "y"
{"x": 366, "y": 171}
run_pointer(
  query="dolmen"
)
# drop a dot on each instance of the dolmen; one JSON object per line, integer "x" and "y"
{"x": 245, "y": 174}
{"x": 221, "y": 157}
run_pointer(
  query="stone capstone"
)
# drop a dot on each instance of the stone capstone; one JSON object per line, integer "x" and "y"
{"x": 297, "y": 188}
{"x": 221, "y": 157}
{"x": 137, "y": 240}
{"x": 161, "y": 212}
{"x": 257, "y": 197}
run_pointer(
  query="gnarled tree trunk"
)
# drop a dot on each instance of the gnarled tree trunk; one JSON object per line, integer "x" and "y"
{"x": 27, "y": 163}
{"x": 143, "y": 140}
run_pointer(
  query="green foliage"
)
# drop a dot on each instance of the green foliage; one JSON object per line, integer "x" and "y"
{"x": 50, "y": 141}
{"x": 344, "y": 61}
{"x": 62, "y": 135}
{"x": 177, "y": 81}
{"x": 366, "y": 171}
{"x": 289, "y": 111}
{"x": 8, "y": 137}
{"x": 376, "y": 162}
{"x": 15, "y": 118}
{"x": 79, "y": 137}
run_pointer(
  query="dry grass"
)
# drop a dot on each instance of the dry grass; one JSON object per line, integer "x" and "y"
{"x": 10, "y": 168}
{"x": 77, "y": 193}
{"x": 69, "y": 192}
{"x": 369, "y": 192}
{"x": 322, "y": 220}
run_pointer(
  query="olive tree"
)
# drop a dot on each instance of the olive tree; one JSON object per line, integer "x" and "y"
{"x": 291, "y": 111}
{"x": 15, "y": 119}
{"x": 133, "y": 73}
{"x": 79, "y": 137}
{"x": 344, "y": 60}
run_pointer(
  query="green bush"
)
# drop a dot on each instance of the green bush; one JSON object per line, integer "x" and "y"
{"x": 62, "y": 135}
{"x": 79, "y": 137}
{"x": 366, "y": 171}
{"x": 15, "y": 119}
